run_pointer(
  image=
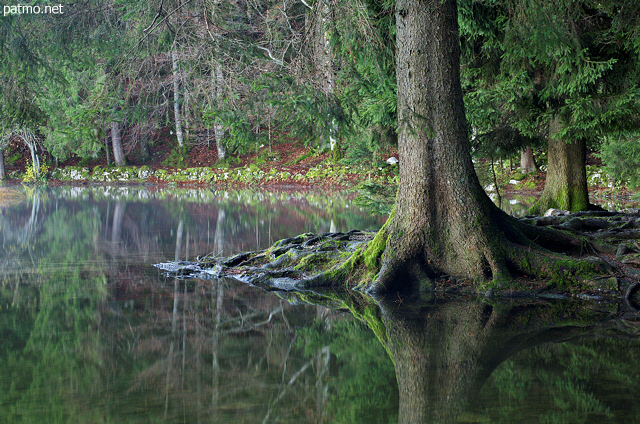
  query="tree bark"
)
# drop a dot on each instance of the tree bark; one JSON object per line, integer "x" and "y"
{"x": 444, "y": 223}
{"x": 324, "y": 61}
{"x": 116, "y": 141}
{"x": 3, "y": 174}
{"x": 145, "y": 153}
{"x": 217, "y": 82}
{"x": 218, "y": 129}
{"x": 176, "y": 97}
{"x": 566, "y": 184}
{"x": 527, "y": 163}
{"x": 442, "y": 217}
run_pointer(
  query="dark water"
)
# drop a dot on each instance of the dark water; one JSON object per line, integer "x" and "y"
{"x": 91, "y": 332}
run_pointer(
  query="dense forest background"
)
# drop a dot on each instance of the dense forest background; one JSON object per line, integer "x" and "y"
{"x": 111, "y": 77}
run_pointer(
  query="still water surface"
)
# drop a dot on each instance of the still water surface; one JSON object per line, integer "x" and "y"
{"x": 91, "y": 332}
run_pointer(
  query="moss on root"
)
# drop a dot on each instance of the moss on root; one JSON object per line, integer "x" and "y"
{"x": 520, "y": 260}
{"x": 375, "y": 249}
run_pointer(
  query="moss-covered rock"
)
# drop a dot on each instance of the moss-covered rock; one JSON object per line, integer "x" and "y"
{"x": 114, "y": 174}
{"x": 71, "y": 173}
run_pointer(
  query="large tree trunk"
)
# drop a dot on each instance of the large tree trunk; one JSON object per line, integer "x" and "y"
{"x": 442, "y": 219}
{"x": 527, "y": 163}
{"x": 566, "y": 184}
{"x": 116, "y": 141}
{"x": 444, "y": 223}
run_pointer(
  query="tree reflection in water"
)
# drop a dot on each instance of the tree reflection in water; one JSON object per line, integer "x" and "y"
{"x": 90, "y": 332}
{"x": 579, "y": 359}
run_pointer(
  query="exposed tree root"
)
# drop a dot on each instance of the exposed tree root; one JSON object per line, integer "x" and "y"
{"x": 531, "y": 250}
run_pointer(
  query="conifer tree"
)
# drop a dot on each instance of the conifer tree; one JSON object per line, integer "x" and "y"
{"x": 566, "y": 70}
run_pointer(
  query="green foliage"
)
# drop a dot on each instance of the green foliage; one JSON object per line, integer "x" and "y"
{"x": 239, "y": 134}
{"x": 311, "y": 115}
{"x": 363, "y": 41}
{"x": 12, "y": 159}
{"x": 365, "y": 147}
{"x": 365, "y": 372}
{"x": 569, "y": 382}
{"x": 377, "y": 199}
{"x": 178, "y": 156}
{"x": 33, "y": 175}
{"x": 526, "y": 63}
{"x": 77, "y": 114}
{"x": 621, "y": 157}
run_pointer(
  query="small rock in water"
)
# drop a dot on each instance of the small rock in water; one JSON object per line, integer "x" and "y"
{"x": 556, "y": 212}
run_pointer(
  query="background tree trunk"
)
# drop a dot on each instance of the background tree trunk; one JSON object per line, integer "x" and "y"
{"x": 217, "y": 81}
{"x": 566, "y": 184}
{"x": 145, "y": 153}
{"x": 176, "y": 97}
{"x": 218, "y": 129}
{"x": 527, "y": 163}
{"x": 118, "y": 153}
{"x": 324, "y": 60}
{"x": 3, "y": 174}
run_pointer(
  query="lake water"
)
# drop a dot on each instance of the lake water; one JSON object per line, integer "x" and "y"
{"x": 91, "y": 332}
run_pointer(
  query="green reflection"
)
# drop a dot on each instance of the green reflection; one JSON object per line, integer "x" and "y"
{"x": 576, "y": 382}
{"x": 470, "y": 360}
{"x": 362, "y": 385}
{"x": 92, "y": 333}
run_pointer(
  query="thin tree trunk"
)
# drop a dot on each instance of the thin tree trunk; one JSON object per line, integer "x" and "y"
{"x": 527, "y": 164}
{"x": 217, "y": 82}
{"x": 3, "y": 174}
{"x": 145, "y": 154}
{"x": 106, "y": 148}
{"x": 176, "y": 97}
{"x": 218, "y": 129}
{"x": 118, "y": 153}
{"x": 324, "y": 62}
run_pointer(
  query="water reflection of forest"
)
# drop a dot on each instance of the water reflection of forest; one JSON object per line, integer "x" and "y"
{"x": 92, "y": 332}
{"x": 91, "y": 329}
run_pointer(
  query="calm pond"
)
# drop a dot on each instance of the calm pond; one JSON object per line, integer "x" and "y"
{"x": 91, "y": 332}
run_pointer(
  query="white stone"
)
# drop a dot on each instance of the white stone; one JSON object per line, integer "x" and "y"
{"x": 555, "y": 212}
